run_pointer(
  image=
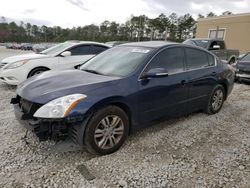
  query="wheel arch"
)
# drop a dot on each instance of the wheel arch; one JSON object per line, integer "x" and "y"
{"x": 34, "y": 68}
{"x": 225, "y": 85}
{"x": 232, "y": 57}
{"x": 118, "y": 101}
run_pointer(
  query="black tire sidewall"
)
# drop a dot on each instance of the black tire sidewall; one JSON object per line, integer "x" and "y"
{"x": 210, "y": 108}
{"x": 93, "y": 122}
{"x": 32, "y": 72}
{"x": 232, "y": 61}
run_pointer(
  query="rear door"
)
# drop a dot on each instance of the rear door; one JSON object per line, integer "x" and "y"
{"x": 164, "y": 96}
{"x": 202, "y": 77}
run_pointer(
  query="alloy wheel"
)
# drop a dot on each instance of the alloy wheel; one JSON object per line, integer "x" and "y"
{"x": 109, "y": 132}
{"x": 217, "y": 100}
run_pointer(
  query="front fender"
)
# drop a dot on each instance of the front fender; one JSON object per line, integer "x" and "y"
{"x": 87, "y": 106}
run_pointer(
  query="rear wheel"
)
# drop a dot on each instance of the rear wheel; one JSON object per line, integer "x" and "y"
{"x": 36, "y": 71}
{"x": 232, "y": 61}
{"x": 106, "y": 131}
{"x": 216, "y": 100}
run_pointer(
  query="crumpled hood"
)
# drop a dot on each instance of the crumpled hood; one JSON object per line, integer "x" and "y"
{"x": 53, "y": 84}
{"x": 24, "y": 57}
{"x": 243, "y": 66}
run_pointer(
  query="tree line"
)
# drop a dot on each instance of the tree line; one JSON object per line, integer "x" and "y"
{"x": 137, "y": 28}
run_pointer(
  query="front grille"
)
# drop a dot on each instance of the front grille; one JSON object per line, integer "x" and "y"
{"x": 28, "y": 107}
{"x": 25, "y": 105}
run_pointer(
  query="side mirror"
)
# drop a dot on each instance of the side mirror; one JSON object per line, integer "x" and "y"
{"x": 66, "y": 54}
{"x": 216, "y": 47}
{"x": 155, "y": 73}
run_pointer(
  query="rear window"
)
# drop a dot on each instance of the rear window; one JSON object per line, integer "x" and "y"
{"x": 200, "y": 43}
{"x": 81, "y": 50}
{"x": 96, "y": 49}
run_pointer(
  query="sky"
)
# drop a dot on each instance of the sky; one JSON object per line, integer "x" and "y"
{"x": 70, "y": 13}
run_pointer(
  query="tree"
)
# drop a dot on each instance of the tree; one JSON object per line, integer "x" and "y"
{"x": 201, "y": 16}
{"x": 173, "y": 26}
{"x": 211, "y": 14}
{"x": 227, "y": 13}
{"x": 137, "y": 28}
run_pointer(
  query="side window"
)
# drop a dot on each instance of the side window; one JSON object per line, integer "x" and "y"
{"x": 171, "y": 59}
{"x": 81, "y": 50}
{"x": 196, "y": 59}
{"x": 213, "y": 44}
{"x": 222, "y": 45}
{"x": 98, "y": 49}
{"x": 211, "y": 60}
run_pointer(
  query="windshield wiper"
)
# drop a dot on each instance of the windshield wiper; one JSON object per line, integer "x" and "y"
{"x": 92, "y": 71}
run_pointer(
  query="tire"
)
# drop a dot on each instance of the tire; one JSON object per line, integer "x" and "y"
{"x": 99, "y": 135}
{"x": 216, "y": 100}
{"x": 232, "y": 61}
{"x": 37, "y": 71}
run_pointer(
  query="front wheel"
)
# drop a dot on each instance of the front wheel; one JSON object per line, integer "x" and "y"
{"x": 107, "y": 130}
{"x": 216, "y": 100}
{"x": 36, "y": 71}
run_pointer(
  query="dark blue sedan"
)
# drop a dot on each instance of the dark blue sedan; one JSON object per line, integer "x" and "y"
{"x": 121, "y": 90}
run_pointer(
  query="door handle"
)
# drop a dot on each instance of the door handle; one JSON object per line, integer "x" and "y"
{"x": 213, "y": 74}
{"x": 183, "y": 82}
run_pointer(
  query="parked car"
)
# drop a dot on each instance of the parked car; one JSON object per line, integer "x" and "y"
{"x": 42, "y": 46}
{"x": 216, "y": 46}
{"x": 115, "y": 43}
{"x": 122, "y": 90}
{"x": 243, "y": 68}
{"x": 67, "y": 55}
{"x": 26, "y": 46}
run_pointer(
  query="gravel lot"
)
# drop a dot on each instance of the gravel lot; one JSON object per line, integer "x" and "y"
{"x": 194, "y": 151}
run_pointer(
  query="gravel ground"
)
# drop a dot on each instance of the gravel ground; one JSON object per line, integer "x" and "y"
{"x": 193, "y": 151}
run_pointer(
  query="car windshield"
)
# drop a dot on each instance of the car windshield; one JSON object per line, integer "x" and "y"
{"x": 200, "y": 43}
{"x": 56, "y": 49}
{"x": 118, "y": 61}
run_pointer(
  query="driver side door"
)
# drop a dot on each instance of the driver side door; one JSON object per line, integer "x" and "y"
{"x": 79, "y": 55}
{"x": 164, "y": 96}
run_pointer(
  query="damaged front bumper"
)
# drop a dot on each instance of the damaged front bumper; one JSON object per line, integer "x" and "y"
{"x": 69, "y": 131}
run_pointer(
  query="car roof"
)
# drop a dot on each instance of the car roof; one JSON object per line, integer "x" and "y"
{"x": 74, "y": 42}
{"x": 206, "y": 39}
{"x": 150, "y": 44}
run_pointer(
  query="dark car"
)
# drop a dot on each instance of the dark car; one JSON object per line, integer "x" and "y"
{"x": 122, "y": 90}
{"x": 243, "y": 68}
{"x": 26, "y": 46}
{"x": 216, "y": 46}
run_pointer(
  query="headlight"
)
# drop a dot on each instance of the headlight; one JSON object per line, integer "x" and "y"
{"x": 59, "y": 108}
{"x": 15, "y": 65}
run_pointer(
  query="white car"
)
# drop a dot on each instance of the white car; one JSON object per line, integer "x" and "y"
{"x": 67, "y": 55}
